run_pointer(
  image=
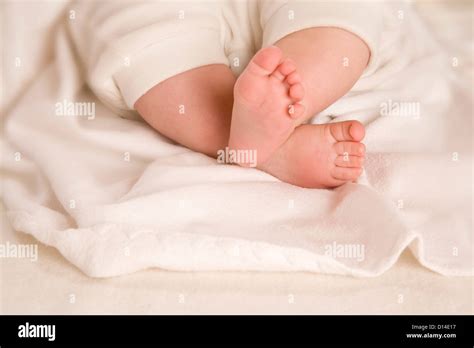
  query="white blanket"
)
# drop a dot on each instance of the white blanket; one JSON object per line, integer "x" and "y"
{"x": 114, "y": 197}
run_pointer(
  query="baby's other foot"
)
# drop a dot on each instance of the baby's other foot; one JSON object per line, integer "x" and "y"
{"x": 266, "y": 97}
{"x": 320, "y": 156}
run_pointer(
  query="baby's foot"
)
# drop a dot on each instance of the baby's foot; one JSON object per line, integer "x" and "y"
{"x": 266, "y": 97}
{"x": 320, "y": 156}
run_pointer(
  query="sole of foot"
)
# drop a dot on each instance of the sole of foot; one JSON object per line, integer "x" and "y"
{"x": 266, "y": 104}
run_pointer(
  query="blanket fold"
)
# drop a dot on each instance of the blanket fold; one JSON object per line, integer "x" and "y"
{"x": 114, "y": 197}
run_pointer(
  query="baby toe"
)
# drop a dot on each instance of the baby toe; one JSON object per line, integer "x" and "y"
{"x": 351, "y": 148}
{"x": 346, "y": 174}
{"x": 293, "y": 78}
{"x": 357, "y": 130}
{"x": 296, "y": 110}
{"x": 287, "y": 67}
{"x": 347, "y": 161}
{"x": 347, "y": 131}
{"x": 265, "y": 61}
{"x": 296, "y": 91}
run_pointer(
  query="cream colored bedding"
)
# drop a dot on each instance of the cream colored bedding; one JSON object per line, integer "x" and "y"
{"x": 54, "y": 286}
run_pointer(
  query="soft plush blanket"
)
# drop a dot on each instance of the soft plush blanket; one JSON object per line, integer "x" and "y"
{"x": 114, "y": 197}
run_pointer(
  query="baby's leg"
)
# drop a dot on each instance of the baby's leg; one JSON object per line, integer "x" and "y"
{"x": 192, "y": 108}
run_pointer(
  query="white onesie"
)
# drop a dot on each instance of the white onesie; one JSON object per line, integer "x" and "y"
{"x": 128, "y": 47}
